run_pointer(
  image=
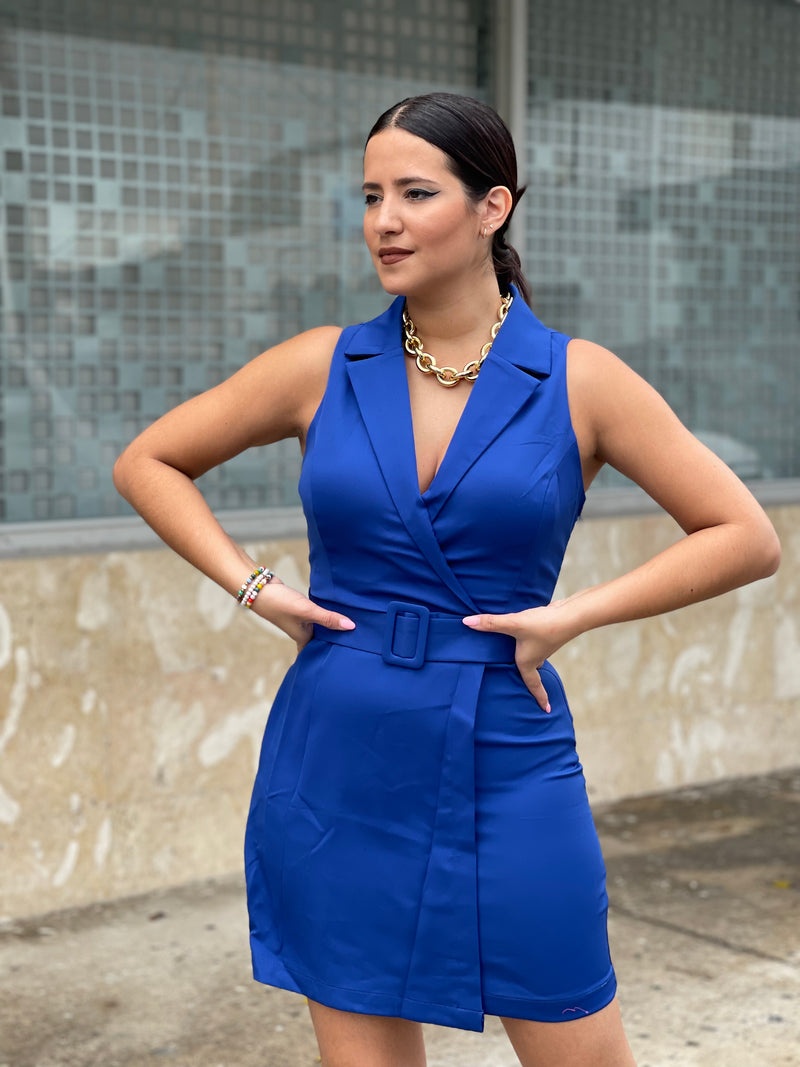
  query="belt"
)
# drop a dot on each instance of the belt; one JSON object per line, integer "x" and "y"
{"x": 408, "y": 635}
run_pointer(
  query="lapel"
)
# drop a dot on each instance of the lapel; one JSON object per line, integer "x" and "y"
{"x": 375, "y": 364}
{"x": 375, "y": 361}
{"x": 518, "y": 362}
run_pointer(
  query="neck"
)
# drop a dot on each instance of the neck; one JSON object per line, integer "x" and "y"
{"x": 452, "y": 316}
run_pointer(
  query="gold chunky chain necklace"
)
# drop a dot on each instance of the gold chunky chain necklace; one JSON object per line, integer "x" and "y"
{"x": 449, "y": 376}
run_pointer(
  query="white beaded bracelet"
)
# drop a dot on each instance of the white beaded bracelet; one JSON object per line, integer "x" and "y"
{"x": 253, "y": 585}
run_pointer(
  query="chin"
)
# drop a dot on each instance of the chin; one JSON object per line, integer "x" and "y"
{"x": 393, "y": 288}
{"x": 393, "y": 284}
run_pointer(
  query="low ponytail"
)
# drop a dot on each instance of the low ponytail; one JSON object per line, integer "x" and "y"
{"x": 506, "y": 261}
{"x": 480, "y": 152}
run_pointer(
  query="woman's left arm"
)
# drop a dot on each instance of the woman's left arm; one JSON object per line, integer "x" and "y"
{"x": 621, "y": 420}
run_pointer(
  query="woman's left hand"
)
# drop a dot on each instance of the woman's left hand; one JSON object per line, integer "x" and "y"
{"x": 539, "y": 632}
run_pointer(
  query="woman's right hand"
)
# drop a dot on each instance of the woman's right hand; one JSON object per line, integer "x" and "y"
{"x": 295, "y": 614}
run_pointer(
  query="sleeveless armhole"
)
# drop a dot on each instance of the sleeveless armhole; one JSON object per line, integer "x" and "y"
{"x": 338, "y": 355}
{"x": 559, "y": 343}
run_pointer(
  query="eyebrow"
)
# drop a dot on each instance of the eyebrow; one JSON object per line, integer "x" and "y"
{"x": 399, "y": 182}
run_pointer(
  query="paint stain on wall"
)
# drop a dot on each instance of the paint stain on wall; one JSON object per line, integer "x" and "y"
{"x": 687, "y": 670}
{"x": 102, "y": 844}
{"x": 67, "y": 865}
{"x": 174, "y": 733}
{"x": 6, "y": 638}
{"x": 221, "y": 741}
{"x": 17, "y": 697}
{"x": 94, "y": 602}
{"x": 64, "y": 745}
{"x": 697, "y": 747}
{"x": 9, "y": 808}
{"x": 738, "y": 633}
{"x": 215, "y": 606}
{"x": 787, "y": 656}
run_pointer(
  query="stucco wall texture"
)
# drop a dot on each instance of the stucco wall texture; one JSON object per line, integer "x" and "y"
{"x": 134, "y": 692}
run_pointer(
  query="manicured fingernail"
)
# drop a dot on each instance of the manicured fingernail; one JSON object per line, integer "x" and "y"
{"x": 471, "y": 620}
{"x": 346, "y": 624}
{"x": 547, "y": 709}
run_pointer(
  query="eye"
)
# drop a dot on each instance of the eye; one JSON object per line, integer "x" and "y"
{"x": 419, "y": 194}
{"x": 371, "y": 198}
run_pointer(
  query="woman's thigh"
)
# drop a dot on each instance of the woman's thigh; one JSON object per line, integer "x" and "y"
{"x": 596, "y": 1040}
{"x": 350, "y": 1039}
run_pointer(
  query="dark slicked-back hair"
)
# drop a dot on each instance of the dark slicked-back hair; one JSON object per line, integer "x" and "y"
{"x": 480, "y": 153}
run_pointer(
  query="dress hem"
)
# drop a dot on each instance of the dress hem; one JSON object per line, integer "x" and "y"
{"x": 548, "y": 1010}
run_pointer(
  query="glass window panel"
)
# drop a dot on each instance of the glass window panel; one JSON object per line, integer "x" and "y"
{"x": 663, "y": 211}
{"x": 186, "y": 209}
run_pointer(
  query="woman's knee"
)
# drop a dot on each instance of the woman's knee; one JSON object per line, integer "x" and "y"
{"x": 353, "y": 1039}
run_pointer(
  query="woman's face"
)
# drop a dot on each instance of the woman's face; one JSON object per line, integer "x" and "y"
{"x": 419, "y": 226}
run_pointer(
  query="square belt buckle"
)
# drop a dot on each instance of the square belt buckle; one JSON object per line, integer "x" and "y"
{"x": 423, "y": 616}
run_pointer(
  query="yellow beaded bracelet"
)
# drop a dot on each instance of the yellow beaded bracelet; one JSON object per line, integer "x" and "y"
{"x": 253, "y": 585}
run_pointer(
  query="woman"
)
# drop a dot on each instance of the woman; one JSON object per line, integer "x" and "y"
{"x": 419, "y": 845}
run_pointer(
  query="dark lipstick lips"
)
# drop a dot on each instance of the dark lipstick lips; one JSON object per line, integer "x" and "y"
{"x": 393, "y": 255}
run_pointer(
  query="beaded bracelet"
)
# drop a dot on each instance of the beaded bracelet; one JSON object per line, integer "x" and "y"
{"x": 255, "y": 589}
{"x": 253, "y": 585}
{"x": 249, "y": 581}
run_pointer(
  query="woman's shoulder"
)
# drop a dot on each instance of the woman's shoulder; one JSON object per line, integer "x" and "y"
{"x": 302, "y": 364}
{"x": 588, "y": 355}
{"x": 318, "y": 342}
{"x": 307, "y": 353}
{"x": 597, "y": 373}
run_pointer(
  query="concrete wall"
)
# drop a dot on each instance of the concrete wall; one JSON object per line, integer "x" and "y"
{"x": 708, "y": 692}
{"x": 133, "y": 695}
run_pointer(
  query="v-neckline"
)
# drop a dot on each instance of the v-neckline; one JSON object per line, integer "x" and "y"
{"x": 426, "y": 493}
{"x": 518, "y": 362}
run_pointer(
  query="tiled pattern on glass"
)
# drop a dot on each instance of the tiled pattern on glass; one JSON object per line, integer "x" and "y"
{"x": 664, "y": 205}
{"x": 180, "y": 190}
{"x": 414, "y": 40}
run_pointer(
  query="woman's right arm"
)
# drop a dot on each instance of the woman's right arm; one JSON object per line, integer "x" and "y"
{"x": 272, "y": 397}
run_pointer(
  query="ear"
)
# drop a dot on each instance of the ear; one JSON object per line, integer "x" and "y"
{"x": 496, "y": 207}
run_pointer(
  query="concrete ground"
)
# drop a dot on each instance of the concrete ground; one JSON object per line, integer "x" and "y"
{"x": 705, "y": 928}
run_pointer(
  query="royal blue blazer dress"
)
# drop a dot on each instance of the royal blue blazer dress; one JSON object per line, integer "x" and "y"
{"x": 419, "y": 842}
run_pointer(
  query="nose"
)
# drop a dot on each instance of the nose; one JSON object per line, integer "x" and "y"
{"x": 386, "y": 218}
